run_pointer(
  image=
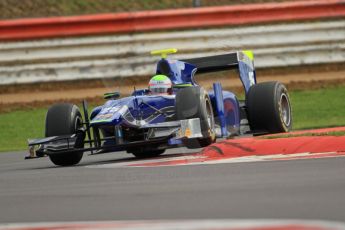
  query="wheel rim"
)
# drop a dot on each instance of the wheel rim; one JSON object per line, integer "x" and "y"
{"x": 285, "y": 109}
{"x": 78, "y": 123}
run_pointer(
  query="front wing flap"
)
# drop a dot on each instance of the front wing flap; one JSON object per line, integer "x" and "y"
{"x": 160, "y": 132}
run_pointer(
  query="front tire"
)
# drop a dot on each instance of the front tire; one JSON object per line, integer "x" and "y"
{"x": 194, "y": 102}
{"x": 64, "y": 119}
{"x": 269, "y": 108}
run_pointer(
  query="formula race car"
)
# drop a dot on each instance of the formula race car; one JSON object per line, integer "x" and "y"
{"x": 146, "y": 124}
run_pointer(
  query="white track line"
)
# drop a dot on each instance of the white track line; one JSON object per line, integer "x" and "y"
{"x": 135, "y": 162}
{"x": 211, "y": 224}
{"x": 203, "y": 160}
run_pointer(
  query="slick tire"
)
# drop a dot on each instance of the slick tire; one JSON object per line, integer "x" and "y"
{"x": 269, "y": 108}
{"x": 64, "y": 119}
{"x": 194, "y": 102}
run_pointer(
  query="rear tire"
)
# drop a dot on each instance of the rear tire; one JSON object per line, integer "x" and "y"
{"x": 194, "y": 102}
{"x": 269, "y": 108}
{"x": 64, "y": 119}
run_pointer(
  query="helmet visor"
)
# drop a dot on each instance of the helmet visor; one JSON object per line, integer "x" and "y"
{"x": 159, "y": 90}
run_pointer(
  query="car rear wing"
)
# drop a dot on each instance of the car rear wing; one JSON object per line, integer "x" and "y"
{"x": 241, "y": 60}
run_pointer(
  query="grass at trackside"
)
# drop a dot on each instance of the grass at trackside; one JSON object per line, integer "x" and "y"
{"x": 311, "y": 109}
{"x": 16, "y": 127}
{"x": 333, "y": 133}
{"x": 318, "y": 108}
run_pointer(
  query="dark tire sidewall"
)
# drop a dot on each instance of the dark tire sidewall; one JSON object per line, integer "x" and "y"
{"x": 63, "y": 119}
{"x": 265, "y": 109}
{"x": 280, "y": 92}
{"x": 200, "y": 98}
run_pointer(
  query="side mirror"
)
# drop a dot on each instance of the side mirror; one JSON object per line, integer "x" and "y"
{"x": 114, "y": 95}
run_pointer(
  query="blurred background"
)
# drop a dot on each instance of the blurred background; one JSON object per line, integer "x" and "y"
{"x": 49, "y": 8}
{"x": 70, "y": 50}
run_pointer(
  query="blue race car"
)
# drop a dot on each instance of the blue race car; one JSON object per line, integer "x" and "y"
{"x": 174, "y": 111}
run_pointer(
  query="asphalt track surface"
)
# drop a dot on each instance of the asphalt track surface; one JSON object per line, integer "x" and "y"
{"x": 35, "y": 190}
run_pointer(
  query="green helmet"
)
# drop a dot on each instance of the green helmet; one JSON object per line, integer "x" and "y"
{"x": 160, "y": 84}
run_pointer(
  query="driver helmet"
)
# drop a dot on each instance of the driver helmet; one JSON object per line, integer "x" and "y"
{"x": 160, "y": 85}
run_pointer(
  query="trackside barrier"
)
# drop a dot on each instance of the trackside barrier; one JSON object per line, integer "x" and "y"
{"x": 22, "y": 29}
{"x": 128, "y": 55}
